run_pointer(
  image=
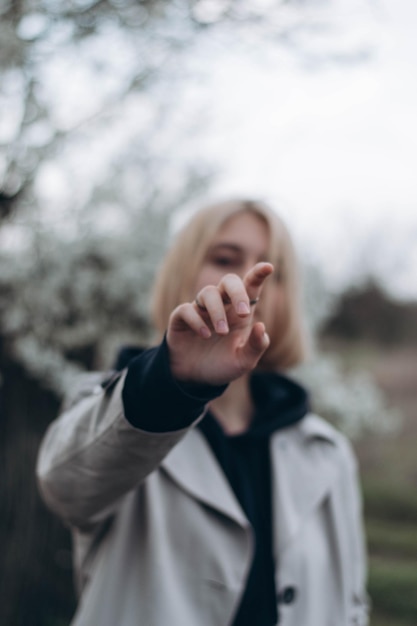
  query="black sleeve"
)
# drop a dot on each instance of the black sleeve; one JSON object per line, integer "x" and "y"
{"x": 154, "y": 401}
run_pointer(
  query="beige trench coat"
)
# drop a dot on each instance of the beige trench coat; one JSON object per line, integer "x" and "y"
{"x": 160, "y": 539}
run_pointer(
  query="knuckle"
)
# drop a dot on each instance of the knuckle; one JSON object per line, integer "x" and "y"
{"x": 230, "y": 279}
{"x": 181, "y": 309}
{"x": 209, "y": 290}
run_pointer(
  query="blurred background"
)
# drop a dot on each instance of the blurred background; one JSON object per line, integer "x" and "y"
{"x": 118, "y": 118}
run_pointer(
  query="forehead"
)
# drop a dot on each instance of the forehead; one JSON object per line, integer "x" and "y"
{"x": 243, "y": 227}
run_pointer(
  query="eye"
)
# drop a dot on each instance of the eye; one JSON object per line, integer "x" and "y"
{"x": 224, "y": 261}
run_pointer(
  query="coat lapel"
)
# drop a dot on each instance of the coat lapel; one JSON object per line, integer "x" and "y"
{"x": 192, "y": 465}
{"x": 302, "y": 474}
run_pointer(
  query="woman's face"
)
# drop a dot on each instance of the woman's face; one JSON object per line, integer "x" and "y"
{"x": 240, "y": 243}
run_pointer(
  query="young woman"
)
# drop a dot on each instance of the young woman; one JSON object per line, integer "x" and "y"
{"x": 199, "y": 487}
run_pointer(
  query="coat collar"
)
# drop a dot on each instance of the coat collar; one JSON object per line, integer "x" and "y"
{"x": 314, "y": 427}
{"x": 303, "y": 465}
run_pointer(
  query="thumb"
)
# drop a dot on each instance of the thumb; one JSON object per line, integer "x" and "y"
{"x": 258, "y": 341}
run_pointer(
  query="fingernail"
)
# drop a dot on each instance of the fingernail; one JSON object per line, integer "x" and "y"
{"x": 221, "y": 327}
{"x": 243, "y": 308}
{"x": 204, "y": 332}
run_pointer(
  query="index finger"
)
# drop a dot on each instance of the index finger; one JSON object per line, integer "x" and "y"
{"x": 255, "y": 279}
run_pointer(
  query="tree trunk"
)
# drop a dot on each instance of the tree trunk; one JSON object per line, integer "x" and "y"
{"x": 36, "y": 586}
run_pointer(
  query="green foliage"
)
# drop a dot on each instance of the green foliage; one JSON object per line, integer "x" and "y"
{"x": 391, "y": 521}
{"x": 392, "y": 545}
{"x": 390, "y": 540}
{"x": 392, "y": 586}
{"x": 390, "y": 502}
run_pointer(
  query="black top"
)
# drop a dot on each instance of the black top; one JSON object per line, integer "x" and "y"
{"x": 245, "y": 460}
{"x": 154, "y": 401}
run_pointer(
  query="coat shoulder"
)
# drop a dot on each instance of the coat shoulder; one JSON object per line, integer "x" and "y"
{"x": 315, "y": 428}
{"x": 89, "y": 383}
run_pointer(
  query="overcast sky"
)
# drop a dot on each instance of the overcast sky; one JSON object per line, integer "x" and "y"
{"x": 334, "y": 146}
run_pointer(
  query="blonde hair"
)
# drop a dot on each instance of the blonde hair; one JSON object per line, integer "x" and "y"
{"x": 177, "y": 277}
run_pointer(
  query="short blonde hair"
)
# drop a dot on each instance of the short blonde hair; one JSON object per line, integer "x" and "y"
{"x": 177, "y": 277}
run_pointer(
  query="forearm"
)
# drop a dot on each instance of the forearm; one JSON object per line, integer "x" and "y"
{"x": 92, "y": 454}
